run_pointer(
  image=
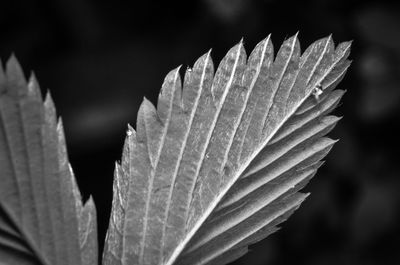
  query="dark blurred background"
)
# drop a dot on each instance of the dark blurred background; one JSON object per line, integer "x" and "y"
{"x": 99, "y": 58}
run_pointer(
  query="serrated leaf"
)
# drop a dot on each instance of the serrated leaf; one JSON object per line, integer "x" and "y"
{"x": 220, "y": 162}
{"x": 42, "y": 217}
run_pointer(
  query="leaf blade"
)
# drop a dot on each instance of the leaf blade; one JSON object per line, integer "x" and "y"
{"x": 37, "y": 200}
{"x": 250, "y": 117}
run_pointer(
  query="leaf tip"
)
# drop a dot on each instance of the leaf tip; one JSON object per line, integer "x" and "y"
{"x": 89, "y": 204}
{"x": 130, "y": 131}
{"x": 305, "y": 196}
{"x": 48, "y": 101}
{"x": 60, "y": 126}
{"x": 129, "y": 126}
{"x": 331, "y": 119}
{"x": 15, "y": 76}
{"x": 145, "y": 104}
{"x": 146, "y": 112}
{"x": 34, "y": 87}
{"x": 170, "y": 87}
{"x": 347, "y": 44}
{"x": 292, "y": 42}
{"x": 50, "y": 110}
{"x": 62, "y": 149}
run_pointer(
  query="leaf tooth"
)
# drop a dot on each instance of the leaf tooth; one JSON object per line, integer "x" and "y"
{"x": 287, "y": 82}
{"x": 126, "y": 166}
{"x": 62, "y": 150}
{"x": 149, "y": 129}
{"x": 334, "y": 65}
{"x": 324, "y": 63}
{"x": 225, "y": 73}
{"x": 170, "y": 95}
{"x": 286, "y": 49}
{"x": 312, "y": 67}
{"x": 34, "y": 88}
{"x": 325, "y": 59}
{"x": 128, "y": 151}
{"x": 343, "y": 50}
{"x": 321, "y": 50}
{"x": 88, "y": 234}
{"x": 306, "y": 54}
{"x": 264, "y": 47}
{"x": 15, "y": 77}
{"x": 335, "y": 77}
{"x": 130, "y": 131}
{"x": 255, "y": 76}
{"x": 50, "y": 111}
{"x": 144, "y": 109}
{"x": 75, "y": 191}
{"x": 197, "y": 80}
{"x": 287, "y": 58}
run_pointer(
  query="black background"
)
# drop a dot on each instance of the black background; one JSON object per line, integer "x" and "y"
{"x": 99, "y": 58}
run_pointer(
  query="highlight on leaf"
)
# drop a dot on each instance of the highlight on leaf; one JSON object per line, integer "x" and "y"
{"x": 218, "y": 164}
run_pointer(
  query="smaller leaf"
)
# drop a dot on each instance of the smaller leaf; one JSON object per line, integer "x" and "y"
{"x": 42, "y": 217}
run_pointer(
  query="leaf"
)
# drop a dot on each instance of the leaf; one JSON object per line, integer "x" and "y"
{"x": 42, "y": 218}
{"x": 219, "y": 163}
